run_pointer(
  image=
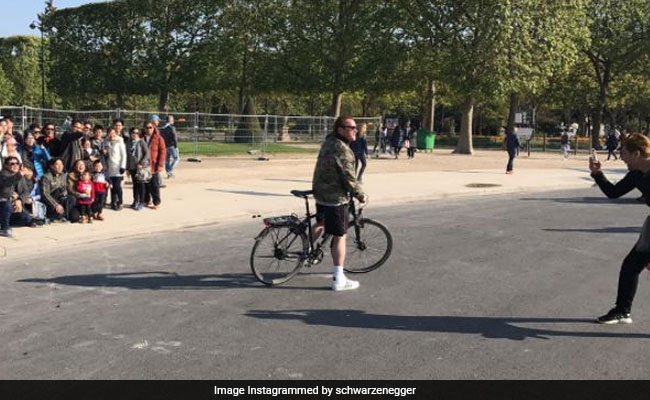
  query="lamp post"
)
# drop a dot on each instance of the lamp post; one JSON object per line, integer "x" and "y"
{"x": 39, "y": 26}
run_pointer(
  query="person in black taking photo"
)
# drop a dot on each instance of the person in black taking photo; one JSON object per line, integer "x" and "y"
{"x": 635, "y": 152}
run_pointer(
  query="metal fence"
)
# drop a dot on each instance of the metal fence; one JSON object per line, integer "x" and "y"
{"x": 202, "y": 134}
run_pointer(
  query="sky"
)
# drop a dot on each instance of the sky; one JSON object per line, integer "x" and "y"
{"x": 18, "y": 14}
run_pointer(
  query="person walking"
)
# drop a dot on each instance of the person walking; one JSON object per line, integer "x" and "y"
{"x": 334, "y": 181}
{"x": 564, "y": 144}
{"x": 170, "y": 136}
{"x": 360, "y": 149}
{"x": 635, "y": 152}
{"x": 399, "y": 134}
{"x": 512, "y": 145}
{"x": 612, "y": 145}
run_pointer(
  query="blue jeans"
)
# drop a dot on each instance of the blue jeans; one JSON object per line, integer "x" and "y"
{"x": 172, "y": 159}
{"x": 5, "y": 214}
{"x": 21, "y": 219}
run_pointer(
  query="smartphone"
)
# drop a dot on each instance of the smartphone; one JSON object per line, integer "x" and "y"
{"x": 594, "y": 155}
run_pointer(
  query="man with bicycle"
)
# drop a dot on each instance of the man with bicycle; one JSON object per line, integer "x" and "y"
{"x": 334, "y": 180}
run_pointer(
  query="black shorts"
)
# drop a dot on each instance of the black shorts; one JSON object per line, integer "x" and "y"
{"x": 335, "y": 218}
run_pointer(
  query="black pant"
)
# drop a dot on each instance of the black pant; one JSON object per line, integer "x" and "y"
{"x": 611, "y": 152}
{"x": 116, "y": 191}
{"x": 139, "y": 189}
{"x": 411, "y": 152}
{"x": 100, "y": 201}
{"x": 84, "y": 210}
{"x": 511, "y": 160}
{"x": 628, "y": 279}
{"x": 152, "y": 191}
{"x": 360, "y": 159}
{"x": 70, "y": 211}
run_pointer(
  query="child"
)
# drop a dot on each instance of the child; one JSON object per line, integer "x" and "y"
{"x": 101, "y": 188}
{"x": 89, "y": 155}
{"x": 85, "y": 196}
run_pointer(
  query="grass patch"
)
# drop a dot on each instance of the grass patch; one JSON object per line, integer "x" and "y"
{"x": 231, "y": 149}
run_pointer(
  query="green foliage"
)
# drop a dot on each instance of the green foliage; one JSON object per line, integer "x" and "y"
{"x": 19, "y": 58}
{"x": 6, "y": 86}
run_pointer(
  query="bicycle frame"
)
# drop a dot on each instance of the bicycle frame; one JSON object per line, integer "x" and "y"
{"x": 306, "y": 223}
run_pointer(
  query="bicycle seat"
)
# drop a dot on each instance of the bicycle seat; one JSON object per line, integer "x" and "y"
{"x": 302, "y": 193}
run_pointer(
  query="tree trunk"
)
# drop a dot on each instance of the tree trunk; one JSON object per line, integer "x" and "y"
{"x": 335, "y": 108}
{"x": 163, "y": 98}
{"x": 514, "y": 105}
{"x": 600, "y": 109}
{"x": 249, "y": 129}
{"x": 431, "y": 106}
{"x": 464, "y": 145}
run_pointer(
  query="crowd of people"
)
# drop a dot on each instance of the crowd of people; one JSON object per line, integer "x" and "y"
{"x": 387, "y": 141}
{"x": 71, "y": 177}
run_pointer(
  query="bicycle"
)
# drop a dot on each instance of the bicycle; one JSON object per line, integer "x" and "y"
{"x": 286, "y": 245}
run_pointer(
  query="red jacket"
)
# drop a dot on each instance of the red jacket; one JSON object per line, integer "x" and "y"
{"x": 157, "y": 152}
{"x": 85, "y": 188}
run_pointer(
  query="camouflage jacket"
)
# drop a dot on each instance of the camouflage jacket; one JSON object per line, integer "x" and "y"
{"x": 334, "y": 175}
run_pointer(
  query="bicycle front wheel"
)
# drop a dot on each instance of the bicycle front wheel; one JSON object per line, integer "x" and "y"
{"x": 368, "y": 246}
{"x": 278, "y": 254}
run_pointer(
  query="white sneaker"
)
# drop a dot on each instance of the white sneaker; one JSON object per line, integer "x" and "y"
{"x": 344, "y": 284}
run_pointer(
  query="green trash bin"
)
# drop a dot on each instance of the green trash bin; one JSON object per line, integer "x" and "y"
{"x": 426, "y": 140}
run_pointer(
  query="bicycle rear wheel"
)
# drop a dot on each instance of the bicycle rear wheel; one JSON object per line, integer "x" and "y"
{"x": 278, "y": 254}
{"x": 368, "y": 247}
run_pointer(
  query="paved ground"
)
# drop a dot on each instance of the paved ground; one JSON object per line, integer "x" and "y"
{"x": 496, "y": 287}
{"x": 234, "y": 189}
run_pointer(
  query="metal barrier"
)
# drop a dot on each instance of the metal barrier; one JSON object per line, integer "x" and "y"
{"x": 202, "y": 134}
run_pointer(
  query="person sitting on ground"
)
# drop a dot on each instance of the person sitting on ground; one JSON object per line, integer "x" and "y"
{"x": 85, "y": 194}
{"x": 54, "y": 193}
{"x": 138, "y": 166}
{"x": 9, "y": 175}
{"x": 23, "y": 203}
{"x": 73, "y": 177}
{"x": 101, "y": 188}
{"x": 32, "y": 195}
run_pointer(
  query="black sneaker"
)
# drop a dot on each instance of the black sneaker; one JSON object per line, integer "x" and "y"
{"x": 615, "y": 316}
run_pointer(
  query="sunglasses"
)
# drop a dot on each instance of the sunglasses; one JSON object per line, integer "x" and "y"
{"x": 14, "y": 163}
{"x": 35, "y": 132}
{"x": 354, "y": 128}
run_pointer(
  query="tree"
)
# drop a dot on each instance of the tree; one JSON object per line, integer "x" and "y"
{"x": 19, "y": 58}
{"x": 334, "y": 46}
{"x": 620, "y": 37}
{"x": 6, "y": 86}
{"x": 542, "y": 42}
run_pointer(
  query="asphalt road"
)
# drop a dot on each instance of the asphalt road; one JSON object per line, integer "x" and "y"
{"x": 502, "y": 287}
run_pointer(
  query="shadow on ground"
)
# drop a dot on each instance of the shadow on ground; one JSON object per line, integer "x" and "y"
{"x": 250, "y": 193}
{"x": 157, "y": 280}
{"x": 487, "y": 327}
{"x": 613, "y": 229}
{"x": 585, "y": 200}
